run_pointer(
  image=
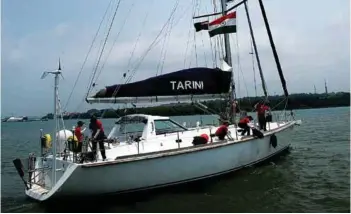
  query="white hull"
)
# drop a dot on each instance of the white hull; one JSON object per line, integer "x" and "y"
{"x": 162, "y": 168}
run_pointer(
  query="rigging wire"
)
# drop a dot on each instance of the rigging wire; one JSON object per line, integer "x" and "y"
{"x": 118, "y": 88}
{"x": 108, "y": 33}
{"x": 114, "y": 42}
{"x": 202, "y": 39}
{"x": 163, "y": 50}
{"x": 211, "y": 46}
{"x": 137, "y": 41}
{"x": 149, "y": 48}
{"x": 86, "y": 57}
{"x": 195, "y": 50}
{"x": 239, "y": 66}
{"x": 172, "y": 26}
{"x": 253, "y": 68}
{"x": 154, "y": 42}
{"x": 91, "y": 79}
{"x": 187, "y": 44}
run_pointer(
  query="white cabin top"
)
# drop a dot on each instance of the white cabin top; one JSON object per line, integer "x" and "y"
{"x": 146, "y": 126}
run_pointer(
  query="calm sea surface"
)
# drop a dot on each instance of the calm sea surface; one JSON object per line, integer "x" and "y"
{"x": 314, "y": 177}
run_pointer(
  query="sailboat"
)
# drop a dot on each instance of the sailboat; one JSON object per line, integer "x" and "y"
{"x": 150, "y": 151}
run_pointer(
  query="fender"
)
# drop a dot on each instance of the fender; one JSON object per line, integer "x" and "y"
{"x": 273, "y": 140}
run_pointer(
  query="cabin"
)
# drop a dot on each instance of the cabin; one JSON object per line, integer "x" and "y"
{"x": 144, "y": 127}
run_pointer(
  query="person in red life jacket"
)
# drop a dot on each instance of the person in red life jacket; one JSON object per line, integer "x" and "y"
{"x": 243, "y": 123}
{"x": 205, "y": 136}
{"x": 222, "y": 131}
{"x": 261, "y": 109}
{"x": 78, "y": 132}
{"x": 98, "y": 135}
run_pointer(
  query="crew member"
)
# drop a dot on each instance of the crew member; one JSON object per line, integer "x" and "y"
{"x": 243, "y": 123}
{"x": 78, "y": 132}
{"x": 222, "y": 131}
{"x": 261, "y": 109}
{"x": 98, "y": 136}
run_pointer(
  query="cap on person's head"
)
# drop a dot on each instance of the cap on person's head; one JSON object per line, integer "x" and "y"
{"x": 80, "y": 123}
{"x": 250, "y": 118}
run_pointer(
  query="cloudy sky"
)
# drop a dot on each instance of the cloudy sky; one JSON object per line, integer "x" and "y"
{"x": 312, "y": 40}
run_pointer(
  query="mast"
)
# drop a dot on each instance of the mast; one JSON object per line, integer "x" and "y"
{"x": 54, "y": 145}
{"x": 228, "y": 55}
{"x": 281, "y": 75}
{"x": 57, "y": 73}
{"x": 256, "y": 52}
{"x": 228, "y": 59}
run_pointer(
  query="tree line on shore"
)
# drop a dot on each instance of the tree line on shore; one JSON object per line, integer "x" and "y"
{"x": 296, "y": 101}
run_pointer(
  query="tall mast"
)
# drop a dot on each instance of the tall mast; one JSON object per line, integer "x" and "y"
{"x": 228, "y": 59}
{"x": 281, "y": 75}
{"x": 256, "y": 52}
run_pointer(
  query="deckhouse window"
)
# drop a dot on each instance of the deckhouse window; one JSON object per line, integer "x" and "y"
{"x": 167, "y": 126}
{"x": 129, "y": 126}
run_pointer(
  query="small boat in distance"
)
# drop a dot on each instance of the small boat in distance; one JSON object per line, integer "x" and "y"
{"x": 15, "y": 119}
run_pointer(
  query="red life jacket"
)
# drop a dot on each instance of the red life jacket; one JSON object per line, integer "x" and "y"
{"x": 78, "y": 134}
{"x": 223, "y": 129}
{"x": 262, "y": 109}
{"x": 205, "y": 136}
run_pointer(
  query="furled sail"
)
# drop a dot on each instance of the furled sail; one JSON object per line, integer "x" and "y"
{"x": 192, "y": 81}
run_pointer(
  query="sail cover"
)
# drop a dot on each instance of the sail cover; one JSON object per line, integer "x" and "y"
{"x": 192, "y": 81}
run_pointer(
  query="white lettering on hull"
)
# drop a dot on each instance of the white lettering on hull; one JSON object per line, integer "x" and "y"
{"x": 186, "y": 85}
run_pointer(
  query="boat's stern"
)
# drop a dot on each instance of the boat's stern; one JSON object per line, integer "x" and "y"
{"x": 37, "y": 175}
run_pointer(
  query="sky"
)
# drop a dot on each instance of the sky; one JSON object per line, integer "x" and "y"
{"x": 312, "y": 39}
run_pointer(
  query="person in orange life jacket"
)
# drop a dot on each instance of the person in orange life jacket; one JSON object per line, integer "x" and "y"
{"x": 222, "y": 131}
{"x": 243, "y": 123}
{"x": 98, "y": 135}
{"x": 78, "y": 132}
{"x": 261, "y": 109}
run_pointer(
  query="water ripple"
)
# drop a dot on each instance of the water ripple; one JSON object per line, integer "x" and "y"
{"x": 314, "y": 177}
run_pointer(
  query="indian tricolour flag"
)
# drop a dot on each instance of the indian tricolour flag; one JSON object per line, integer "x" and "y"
{"x": 222, "y": 25}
